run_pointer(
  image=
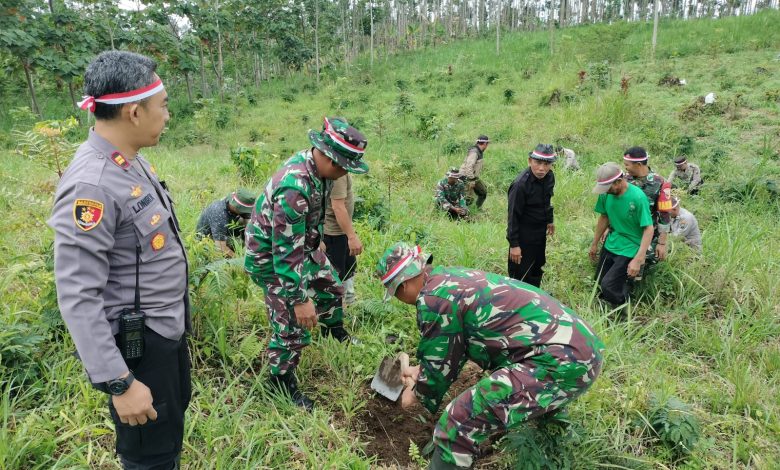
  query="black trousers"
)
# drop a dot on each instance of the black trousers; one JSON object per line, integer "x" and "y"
{"x": 533, "y": 259}
{"x": 612, "y": 276}
{"x": 165, "y": 369}
{"x": 337, "y": 249}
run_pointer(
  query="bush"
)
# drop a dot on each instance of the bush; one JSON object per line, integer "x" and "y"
{"x": 404, "y": 105}
{"x": 545, "y": 444}
{"x": 210, "y": 117}
{"x": 252, "y": 163}
{"x": 428, "y": 126}
{"x": 19, "y": 347}
{"x": 675, "y": 424}
{"x": 452, "y": 146}
{"x": 600, "y": 73}
{"x": 509, "y": 96}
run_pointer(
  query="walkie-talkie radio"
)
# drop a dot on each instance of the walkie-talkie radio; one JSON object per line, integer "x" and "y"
{"x": 131, "y": 321}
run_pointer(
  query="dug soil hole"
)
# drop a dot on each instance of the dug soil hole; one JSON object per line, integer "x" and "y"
{"x": 389, "y": 429}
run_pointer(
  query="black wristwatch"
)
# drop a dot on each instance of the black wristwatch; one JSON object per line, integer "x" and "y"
{"x": 115, "y": 386}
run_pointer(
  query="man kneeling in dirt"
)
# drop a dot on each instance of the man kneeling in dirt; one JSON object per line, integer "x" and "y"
{"x": 539, "y": 353}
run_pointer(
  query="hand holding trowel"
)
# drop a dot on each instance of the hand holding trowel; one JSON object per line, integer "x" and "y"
{"x": 391, "y": 375}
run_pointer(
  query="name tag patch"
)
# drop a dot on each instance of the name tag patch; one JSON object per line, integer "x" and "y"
{"x": 140, "y": 205}
{"x": 87, "y": 213}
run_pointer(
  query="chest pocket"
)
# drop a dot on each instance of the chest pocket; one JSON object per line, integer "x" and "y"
{"x": 152, "y": 226}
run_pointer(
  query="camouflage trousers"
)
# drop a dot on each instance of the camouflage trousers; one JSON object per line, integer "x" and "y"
{"x": 288, "y": 339}
{"x": 554, "y": 376}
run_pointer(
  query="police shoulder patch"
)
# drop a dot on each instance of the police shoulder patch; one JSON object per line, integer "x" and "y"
{"x": 87, "y": 213}
{"x": 158, "y": 241}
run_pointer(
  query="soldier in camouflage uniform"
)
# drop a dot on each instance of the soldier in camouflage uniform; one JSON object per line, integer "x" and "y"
{"x": 659, "y": 196}
{"x": 540, "y": 354}
{"x": 450, "y": 195}
{"x": 283, "y": 256}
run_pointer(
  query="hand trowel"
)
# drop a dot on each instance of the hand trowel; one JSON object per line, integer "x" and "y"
{"x": 387, "y": 380}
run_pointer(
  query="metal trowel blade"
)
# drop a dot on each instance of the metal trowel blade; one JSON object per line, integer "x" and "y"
{"x": 387, "y": 380}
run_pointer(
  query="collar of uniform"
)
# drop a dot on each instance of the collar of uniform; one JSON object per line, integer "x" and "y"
{"x": 103, "y": 146}
{"x": 312, "y": 167}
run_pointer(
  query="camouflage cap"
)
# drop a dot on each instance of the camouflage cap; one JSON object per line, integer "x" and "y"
{"x": 543, "y": 152}
{"x": 681, "y": 160}
{"x": 242, "y": 200}
{"x": 399, "y": 263}
{"x": 342, "y": 143}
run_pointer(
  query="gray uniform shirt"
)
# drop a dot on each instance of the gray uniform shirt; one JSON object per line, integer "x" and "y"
{"x": 570, "y": 160}
{"x": 689, "y": 179}
{"x": 105, "y": 205}
{"x": 686, "y": 226}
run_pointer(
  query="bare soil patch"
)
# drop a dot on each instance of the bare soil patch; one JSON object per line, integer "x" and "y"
{"x": 389, "y": 429}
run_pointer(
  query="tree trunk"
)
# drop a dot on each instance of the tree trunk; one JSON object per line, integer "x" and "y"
{"x": 188, "y": 80}
{"x": 655, "y": 26}
{"x": 221, "y": 64}
{"x": 72, "y": 95}
{"x": 203, "y": 87}
{"x": 317, "y": 38}
{"x": 371, "y": 8}
{"x": 31, "y": 88}
{"x": 498, "y": 27}
{"x": 551, "y": 27}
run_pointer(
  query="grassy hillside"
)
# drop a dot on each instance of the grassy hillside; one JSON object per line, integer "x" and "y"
{"x": 705, "y": 329}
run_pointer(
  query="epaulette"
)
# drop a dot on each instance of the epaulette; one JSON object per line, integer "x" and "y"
{"x": 92, "y": 170}
{"x": 119, "y": 160}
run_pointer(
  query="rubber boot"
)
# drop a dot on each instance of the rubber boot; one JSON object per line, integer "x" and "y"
{"x": 288, "y": 385}
{"x": 437, "y": 463}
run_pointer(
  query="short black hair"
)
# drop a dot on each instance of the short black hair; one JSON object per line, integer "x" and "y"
{"x": 117, "y": 72}
{"x": 637, "y": 152}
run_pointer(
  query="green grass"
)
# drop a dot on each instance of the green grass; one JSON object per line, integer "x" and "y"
{"x": 703, "y": 329}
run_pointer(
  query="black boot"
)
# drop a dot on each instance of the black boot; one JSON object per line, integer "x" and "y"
{"x": 338, "y": 332}
{"x": 288, "y": 385}
{"x": 437, "y": 463}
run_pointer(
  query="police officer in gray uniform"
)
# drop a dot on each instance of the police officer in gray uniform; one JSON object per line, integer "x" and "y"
{"x": 111, "y": 217}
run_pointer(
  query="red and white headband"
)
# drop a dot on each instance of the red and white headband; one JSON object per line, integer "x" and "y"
{"x": 335, "y": 136}
{"x": 610, "y": 180}
{"x": 629, "y": 158}
{"x": 237, "y": 201}
{"x": 542, "y": 155}
{"x": 88, "y": 102}
{"x": 399, "y": 266}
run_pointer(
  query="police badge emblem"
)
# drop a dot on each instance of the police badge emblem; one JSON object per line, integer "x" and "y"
{"x": 87, "y": 213}
{"x": 158, "y": 241}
